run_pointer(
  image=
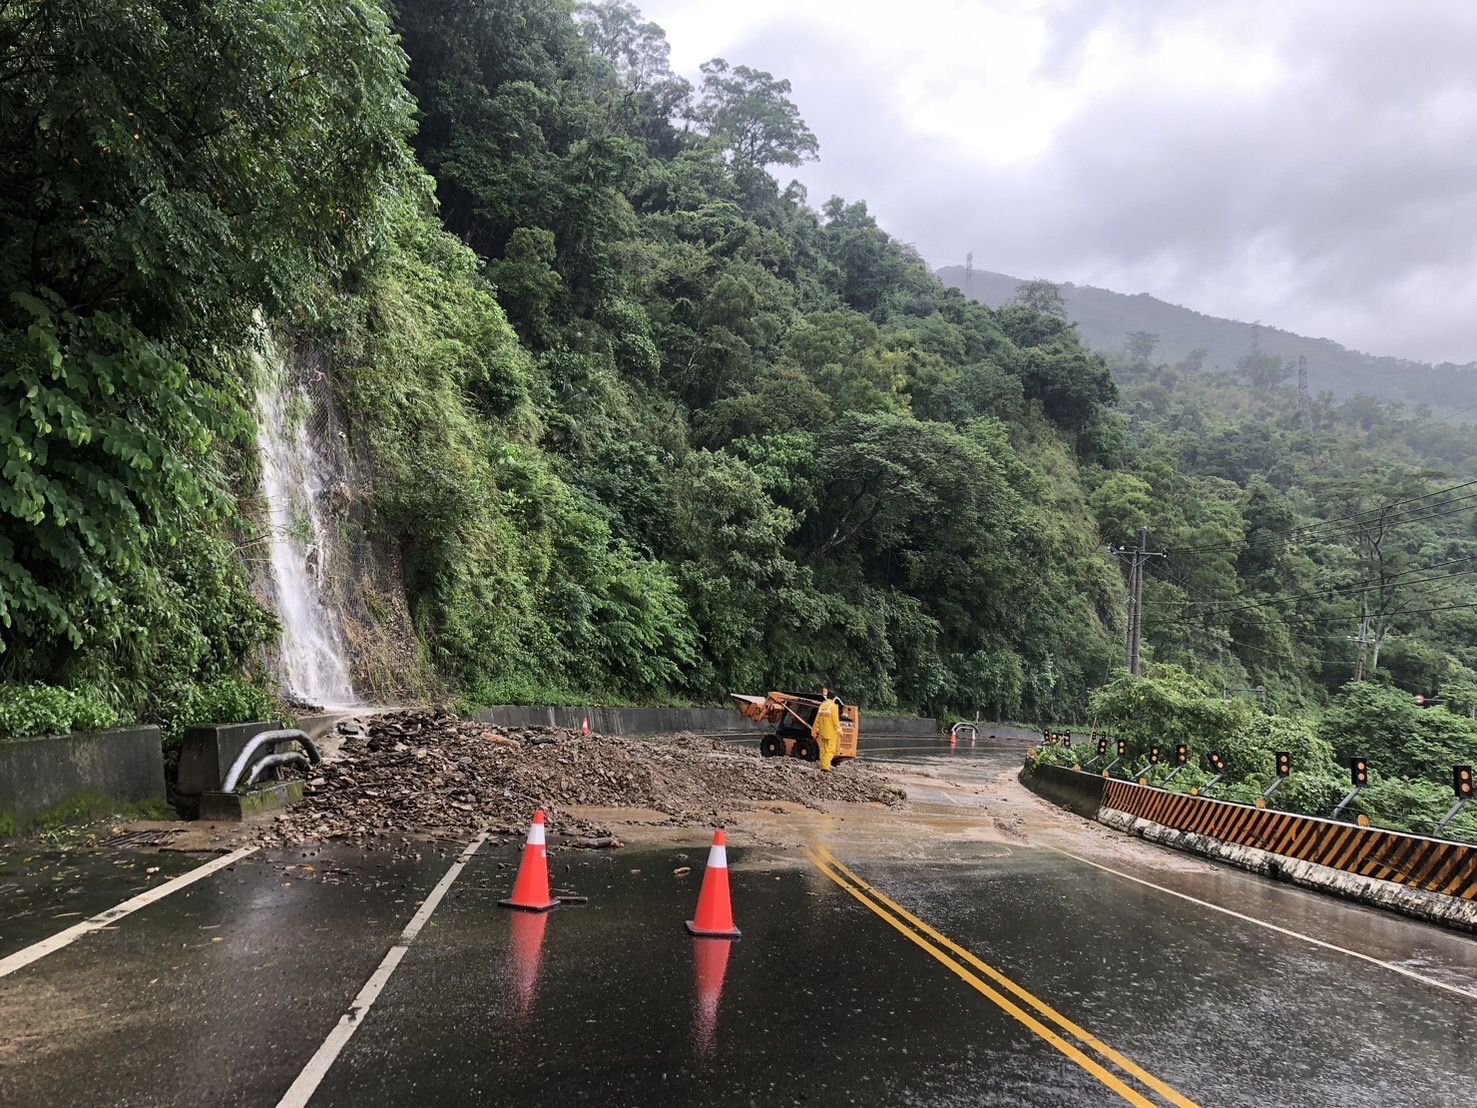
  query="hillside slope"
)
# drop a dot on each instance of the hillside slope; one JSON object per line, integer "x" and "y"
{"x": 1105, "y": 319}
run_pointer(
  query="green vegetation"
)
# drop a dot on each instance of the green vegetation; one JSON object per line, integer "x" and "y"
{"x": 1409, "y": 750}
{"x": 635, "y": 421}
{"x": 36, "y": 709}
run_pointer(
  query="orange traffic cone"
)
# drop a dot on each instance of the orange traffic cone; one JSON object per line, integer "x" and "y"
{"x": 714, "y": 918}
{"x": 531, "y": 889}
{"x": 585, "y": 726}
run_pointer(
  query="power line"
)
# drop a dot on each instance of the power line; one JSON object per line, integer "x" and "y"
{"x": 1393, "y": 615}
{"x": 1368, "y": 585}
{"x": 1360, "y": 518}
{"x": 1246, "y": 622}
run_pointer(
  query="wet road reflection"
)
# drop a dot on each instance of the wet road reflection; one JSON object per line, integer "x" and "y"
{"x": 709, "y": 966}
{"x": 525, "y": 955}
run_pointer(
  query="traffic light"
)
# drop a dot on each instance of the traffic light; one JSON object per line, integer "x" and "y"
{"x": 1102, "y": 748}
{"x": 1153, "y": 755}
{"x": 1217, "y": 763}
{"x": 1284, "y": 763}
{"x": 1067, "y": 739}
{"x": 1359, "y": 772}
{"x": 1122, "y": 748}
{"x": 1461, "y": 781}
{"x": 1181, "y": 754}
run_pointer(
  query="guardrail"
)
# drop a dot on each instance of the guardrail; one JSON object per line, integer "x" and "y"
{"x": 1309, "y": 850}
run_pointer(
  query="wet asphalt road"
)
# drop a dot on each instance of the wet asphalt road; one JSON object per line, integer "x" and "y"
{"x": 221, "y": 993}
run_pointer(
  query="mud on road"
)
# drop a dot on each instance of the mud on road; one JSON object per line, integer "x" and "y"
{"x": 432, "y": 772}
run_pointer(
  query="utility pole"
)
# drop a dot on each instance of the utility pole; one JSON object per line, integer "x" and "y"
{"x": 969, "y": 276}
{"x": 1362, "y": 640}
{"x": 1136, "y": 559}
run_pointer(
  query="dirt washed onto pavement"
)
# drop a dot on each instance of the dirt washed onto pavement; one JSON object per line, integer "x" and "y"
{"x": 415, "y": 772}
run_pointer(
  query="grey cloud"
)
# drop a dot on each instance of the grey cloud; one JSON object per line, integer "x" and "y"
{"x": 1342, "y": 206}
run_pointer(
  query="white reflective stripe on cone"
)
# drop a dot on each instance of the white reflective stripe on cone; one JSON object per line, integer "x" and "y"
{"x": 717, "y": 857}
{"x": 536, "y": 835}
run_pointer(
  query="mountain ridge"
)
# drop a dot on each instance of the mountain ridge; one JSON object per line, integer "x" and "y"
{"x": 1105, "y": 318}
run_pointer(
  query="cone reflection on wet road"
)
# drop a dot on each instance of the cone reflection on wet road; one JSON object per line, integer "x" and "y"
{"x": 525, "y": 953}
{"x": 709, "y": 964}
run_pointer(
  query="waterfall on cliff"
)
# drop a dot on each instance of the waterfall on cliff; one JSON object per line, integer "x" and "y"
{"x": 313, "y": 659}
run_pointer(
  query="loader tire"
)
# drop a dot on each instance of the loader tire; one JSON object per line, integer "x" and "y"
{"x": 772, "y": 746}
{"x": 806, "y": 748}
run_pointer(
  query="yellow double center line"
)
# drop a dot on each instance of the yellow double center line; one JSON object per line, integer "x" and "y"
{"x": 1033, "y": 1013}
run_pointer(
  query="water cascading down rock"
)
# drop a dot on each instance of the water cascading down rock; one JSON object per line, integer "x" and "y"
{"x": 312, "y": 659}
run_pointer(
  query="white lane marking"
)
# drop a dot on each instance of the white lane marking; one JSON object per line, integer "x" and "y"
{"x": 21, "y": 958}
{"x": 1466, "y": 993}
{"x": 312, "y": 1075}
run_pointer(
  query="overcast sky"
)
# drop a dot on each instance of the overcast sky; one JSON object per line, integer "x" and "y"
{"x": 1308, "y": 163}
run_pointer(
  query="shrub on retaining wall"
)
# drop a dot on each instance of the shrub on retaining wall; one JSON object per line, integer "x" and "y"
{"x": 37, "y": 709}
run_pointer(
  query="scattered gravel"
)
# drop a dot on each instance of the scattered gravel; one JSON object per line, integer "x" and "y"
{"x": 431, "y": 771}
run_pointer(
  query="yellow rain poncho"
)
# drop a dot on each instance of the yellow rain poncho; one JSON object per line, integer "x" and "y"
{"x": 827, "y": 730}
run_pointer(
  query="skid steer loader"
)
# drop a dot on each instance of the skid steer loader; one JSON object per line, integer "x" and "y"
{"x": 792, "y": 715}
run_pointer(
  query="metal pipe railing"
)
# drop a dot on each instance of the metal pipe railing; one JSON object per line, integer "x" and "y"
{"x": 268, "y": 738}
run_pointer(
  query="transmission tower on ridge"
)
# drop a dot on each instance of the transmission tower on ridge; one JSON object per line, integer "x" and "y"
{"x": 969, "y": 276}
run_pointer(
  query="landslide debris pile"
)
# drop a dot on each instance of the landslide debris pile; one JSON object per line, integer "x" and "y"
{"x": 434, "y": 771}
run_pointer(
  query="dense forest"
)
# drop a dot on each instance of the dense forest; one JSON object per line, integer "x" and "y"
{"x": 630, "y": 419}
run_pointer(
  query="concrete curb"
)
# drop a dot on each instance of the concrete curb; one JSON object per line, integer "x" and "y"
{"x": 1429, "y": 879}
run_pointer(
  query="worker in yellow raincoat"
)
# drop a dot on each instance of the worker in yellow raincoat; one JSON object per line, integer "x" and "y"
{"x": 827, "y": 727}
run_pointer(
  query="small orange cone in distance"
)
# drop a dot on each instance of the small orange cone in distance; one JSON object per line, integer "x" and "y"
{"x": 531, "y": 889}
{"x": 714, "y": 917}
{"x": 585, "y": 726}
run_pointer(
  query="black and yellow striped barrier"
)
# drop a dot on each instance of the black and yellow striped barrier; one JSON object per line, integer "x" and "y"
{"x": 1430, "y": 865}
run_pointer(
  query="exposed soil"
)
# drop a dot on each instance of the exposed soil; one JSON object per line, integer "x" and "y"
{"x": 434, "y": 772}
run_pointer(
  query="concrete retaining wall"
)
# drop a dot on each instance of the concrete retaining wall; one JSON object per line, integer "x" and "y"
{"x": 1431, "y": 879}
{"x": 38, "y": 775}
{"x": 666, "y": 721}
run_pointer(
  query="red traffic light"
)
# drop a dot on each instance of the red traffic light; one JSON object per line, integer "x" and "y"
{"x": 1153, "y": 755}
{"x": 1359, "y": 771}
{"x": 1461, "y": 781}
{"x": 1122, "y": 748}
{"x": 1284, "y": 763}
{"x": 1420, "y": 700}
{"x": 1181, "y": 754}
{"x": 1102, "y": 747}
{"x": 1217, "y": 762}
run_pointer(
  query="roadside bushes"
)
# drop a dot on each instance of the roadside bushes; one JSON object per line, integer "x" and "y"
{"x": 36, "y": 709}
{"x": 1410, "y": 751}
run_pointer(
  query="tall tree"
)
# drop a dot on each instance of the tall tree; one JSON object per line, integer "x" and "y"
{"x": 751, "y": 114}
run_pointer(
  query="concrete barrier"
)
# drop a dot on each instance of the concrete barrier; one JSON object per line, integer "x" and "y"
{"x": 1430, "y": 879}
{"x": 207, "y": 752}
{"x": 667, "y": 721}
{"x": 87, "y": 770}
